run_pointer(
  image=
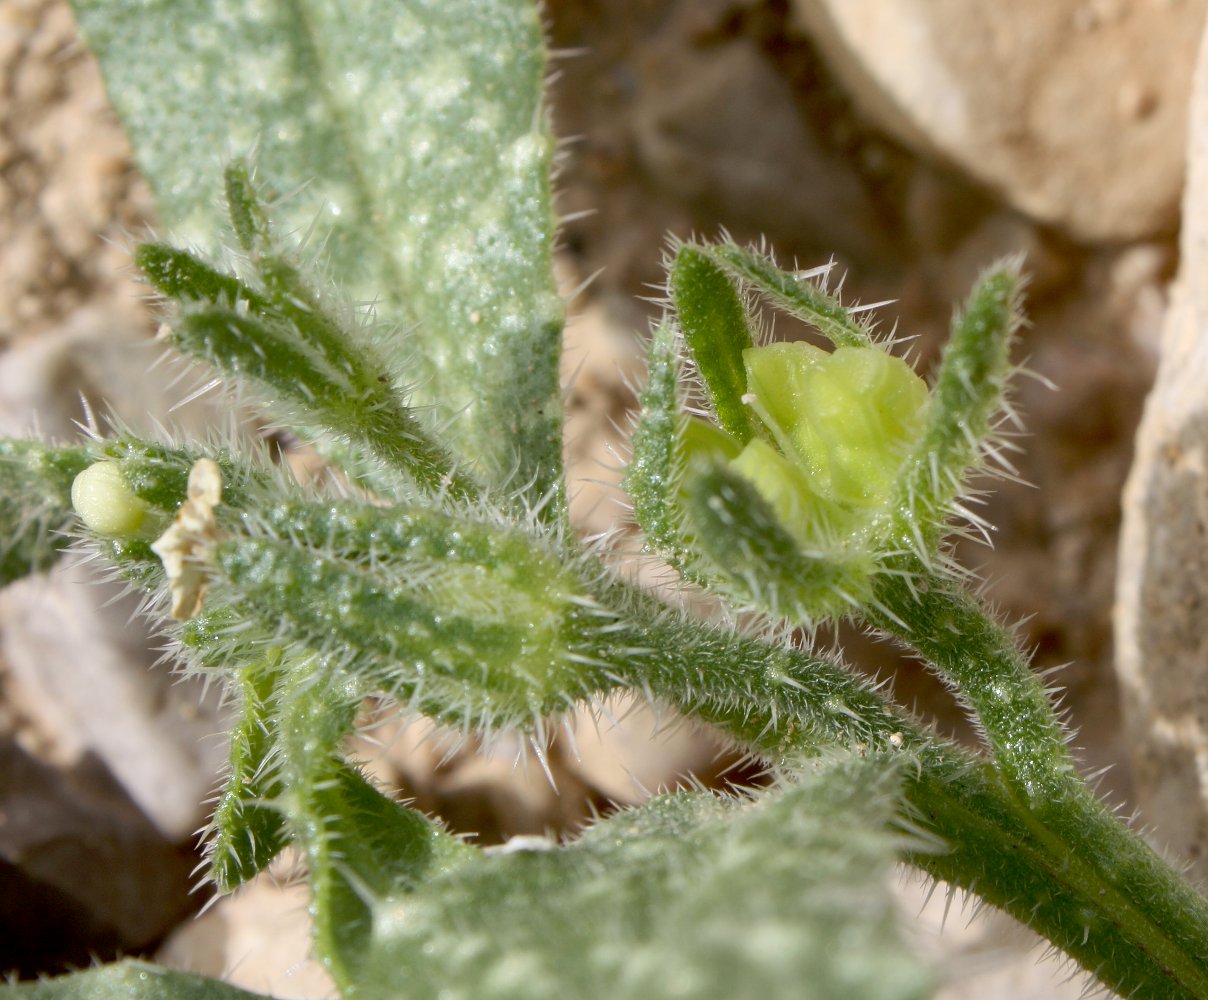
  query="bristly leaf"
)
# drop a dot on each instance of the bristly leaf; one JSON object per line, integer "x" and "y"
{"x": 418, "y": 134}
{"x": 129, "y": 979}
{"x": 689, "y": 895}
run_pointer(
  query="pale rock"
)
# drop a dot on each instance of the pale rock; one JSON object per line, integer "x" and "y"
{"x": 83, "y": 870}
{"x": 98, "y": 355}
{"x": 1073, "y": 112}
{"x": 600, "y": 364}
{"x": 980, "y": 953}
{"x": 628, "y": 749}
{"x": 84, "y": 679}
{"x": 258, "y": 939}
{"x": 1162, "y": 589}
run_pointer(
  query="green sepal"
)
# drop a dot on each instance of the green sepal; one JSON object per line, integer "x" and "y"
{"x": 248, "y": 217}
{"x": 655, "y": 469}
{"x": 359, "y": 844}
{"x": 159, "y": 473}
{"x": 283, "y": 338}
{"x": 184, "y": 277}
{"x": 793, "y": 293}
{"x": 967, "y": 398}
{"x": 247, "y": 346}
{"x": 787, "y": 489}
{"x": 764, "y": 563}
{"x": 714, "y": 320}
{"x": 290, "y": 295}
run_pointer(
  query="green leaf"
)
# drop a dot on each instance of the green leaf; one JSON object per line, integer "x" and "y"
{"x": 323, "y": 379}
{"x": 418, "y": 134}
{"x": 128, "y": 980}
{"x": 689, "y": 895}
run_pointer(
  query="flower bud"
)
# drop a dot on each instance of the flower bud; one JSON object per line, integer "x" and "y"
{"x": 105, "y": 503}
{"x": 846, "y": 418}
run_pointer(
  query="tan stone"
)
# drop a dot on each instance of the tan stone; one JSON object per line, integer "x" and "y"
{"x": 1072, "y": 111}
{"x": 1162, "y": 592}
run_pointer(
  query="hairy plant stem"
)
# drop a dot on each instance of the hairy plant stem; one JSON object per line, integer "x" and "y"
{"x": 1139, "y": 916}
{"x": 1087, "y": 884}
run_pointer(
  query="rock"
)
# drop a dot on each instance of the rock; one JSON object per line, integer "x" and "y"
{"x": 258, "y": 939}
{"x": 1162, "y": 589}
{"x": 1072, "y": 111}
{"x": 82, "y": 677}
{"x": 600, "y": 364}
{"x": 979, "y": 952}
{"x": 83, "y": 873}
{"x": 721, "y": 129}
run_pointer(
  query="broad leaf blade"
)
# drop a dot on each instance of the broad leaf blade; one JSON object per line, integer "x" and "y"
{"x": 128, "y": 980}
{"x": 687, "y": 896}
{"x": 416, "y": 132}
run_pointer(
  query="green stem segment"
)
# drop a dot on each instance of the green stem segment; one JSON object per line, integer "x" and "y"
{"x": 1138, "y": 916}
{"x": 1089, "y": 885}
{"x": 360, "y": 845}
{"x": 248, "y": 828}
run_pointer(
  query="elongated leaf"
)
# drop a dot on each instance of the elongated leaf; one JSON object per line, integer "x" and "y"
{"x": 417, "y": 131}
{"x": 128, "y": 980}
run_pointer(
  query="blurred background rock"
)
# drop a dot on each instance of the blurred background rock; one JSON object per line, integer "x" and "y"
{"x": 911, "y": 141}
